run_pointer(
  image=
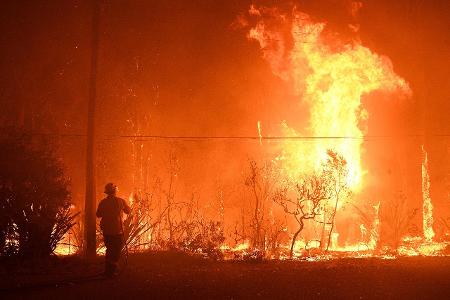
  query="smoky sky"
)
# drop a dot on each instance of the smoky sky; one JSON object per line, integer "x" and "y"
{"x": 192, "y": 72}
{"x": 185, "y": 58}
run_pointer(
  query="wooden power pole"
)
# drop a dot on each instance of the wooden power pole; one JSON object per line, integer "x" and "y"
{"x": 90, "y": 201}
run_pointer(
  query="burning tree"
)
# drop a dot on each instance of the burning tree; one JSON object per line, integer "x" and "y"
{"x": 316, "y": 195}
{"x": 260, "y": 182}
{"x": 311, "y": 195}
{"x": 335, "y": 174}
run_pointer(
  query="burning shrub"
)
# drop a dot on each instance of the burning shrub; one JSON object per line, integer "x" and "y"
{"x": 443, "y": 225}
{"x": 204, "y": 238}
{"x": 397, "y": 219}
{"x": 260, "y": 183}
{"x": 277, "y": 235}
{"x": 34, "y": 197}
{"x": 370, "y": 222}
{"x": 254, "y": 255}
{"x": 139, "y": 224}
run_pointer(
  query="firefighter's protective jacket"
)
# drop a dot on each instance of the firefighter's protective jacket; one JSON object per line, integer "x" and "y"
{"x": 110, "y": 210}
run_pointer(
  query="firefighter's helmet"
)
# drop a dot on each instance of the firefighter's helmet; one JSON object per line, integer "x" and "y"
{"x": 110, "y": 188}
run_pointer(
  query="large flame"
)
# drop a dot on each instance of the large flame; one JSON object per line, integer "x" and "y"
{"x": 427, "y": 208}
{"x": 331, "y": 77}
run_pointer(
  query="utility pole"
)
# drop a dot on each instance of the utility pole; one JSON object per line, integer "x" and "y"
{"x": 90, "y": 201}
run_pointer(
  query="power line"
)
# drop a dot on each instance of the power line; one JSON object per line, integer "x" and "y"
{"x": 266, "y": 138}
{"x": 275, "y": 138}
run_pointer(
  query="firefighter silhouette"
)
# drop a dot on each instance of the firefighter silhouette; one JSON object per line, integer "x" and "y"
{"x": 110, "y": 210}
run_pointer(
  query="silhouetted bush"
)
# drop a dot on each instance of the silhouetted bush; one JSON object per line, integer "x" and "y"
{"x": 34, "y": 196}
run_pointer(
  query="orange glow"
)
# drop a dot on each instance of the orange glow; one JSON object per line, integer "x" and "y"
{"x": 332, "y": 78}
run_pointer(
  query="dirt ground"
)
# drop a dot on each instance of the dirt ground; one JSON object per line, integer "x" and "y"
{"x": 177, "y": 276}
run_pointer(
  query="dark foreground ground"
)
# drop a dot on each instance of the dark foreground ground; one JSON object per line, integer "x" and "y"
{"x": 175, "y": 276}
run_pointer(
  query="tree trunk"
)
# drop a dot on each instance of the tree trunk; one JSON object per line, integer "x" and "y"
{"x": 332, "y": 221}
{"x": 294, "y": 238}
